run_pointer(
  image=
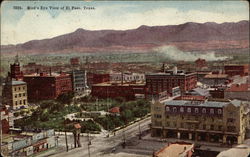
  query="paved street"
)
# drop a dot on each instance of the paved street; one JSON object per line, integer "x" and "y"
{"x": 101, "y": 145}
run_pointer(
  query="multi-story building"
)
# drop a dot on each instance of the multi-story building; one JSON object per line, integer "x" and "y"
{"x": 47, "y": 86}
{"x": 235, "y": 69}
{"x": 15, "y": 94}
{"x": 210, "y": 121}
{"x": 166, "y": 81}
{"x": 216, "y": 79}
{"x": 114, "y": 90}
{"x": 79, "y": 81}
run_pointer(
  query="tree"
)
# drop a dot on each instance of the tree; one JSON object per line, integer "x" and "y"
{"x": 65, "y": 98}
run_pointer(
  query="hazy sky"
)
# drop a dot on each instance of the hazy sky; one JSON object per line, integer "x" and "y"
{"x": 21, "y": 25}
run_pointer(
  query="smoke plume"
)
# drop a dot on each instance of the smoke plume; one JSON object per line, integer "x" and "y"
{"x": 173, "y": 53}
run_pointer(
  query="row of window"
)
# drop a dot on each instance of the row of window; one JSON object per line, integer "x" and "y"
{"x": 196, "y": 110}
{"x": 20, "y": 102}
{"x": 19, "y": 88}
{"x": 198, "y": 126}
{"x": 20, "y": 95}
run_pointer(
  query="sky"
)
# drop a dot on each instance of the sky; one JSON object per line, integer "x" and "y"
{"x": 20, "y": 24}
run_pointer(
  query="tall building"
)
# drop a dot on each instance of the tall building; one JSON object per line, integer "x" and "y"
{"x": 15, "y": 71}
{"x": 79, "y": 81}
{"x": 223, "y": 122}
{"x": 47, "y": 86}
{"x": 15, "y": 94}
{"x": 167, "y": 80}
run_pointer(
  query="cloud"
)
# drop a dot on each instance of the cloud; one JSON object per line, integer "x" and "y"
{"x": 38, "y": 24}
{"x": 173, "y": 53}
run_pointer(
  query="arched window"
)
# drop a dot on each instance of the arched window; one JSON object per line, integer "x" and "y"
{"x": 182, "y": 109}
{"x": 196, "y": 110}
{"x": 211, "y": 111}
{"x": 219, "y": 111}
{"x": 203, "y": 110}
{"x": 189, "y": 110}
{"x": 167, "y": 109}
{"x": 174, "y": 109}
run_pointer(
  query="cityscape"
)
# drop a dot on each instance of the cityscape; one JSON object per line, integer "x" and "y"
{"x": 113, "y": 87}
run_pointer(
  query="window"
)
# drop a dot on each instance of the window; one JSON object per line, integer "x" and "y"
{"x": 23, "y": 94}
{"x": 19, "y": 88}
{"x": 181, "y": 109}
{"x": 189, "y": 110}
{"x": 20, "y": 95}
{"x": 24, "y": 102}
{"x": 203, "y": 110}
{"x": 167, "y": 109}
{"x": 212, "y": 127}
{"x": 204, "y": 127}
{"x": 174, "y": 109}
{"x": 219, "y": 127}
{"x": 16, "y": 102}
{"x": 23, "y": 88}
{"x": 196, "y": 110}
{"x": 219, "y": 111}
{"x": 20, "y": 102}
{"x": 15, "y": 95}
{"x": 211, "y": 111}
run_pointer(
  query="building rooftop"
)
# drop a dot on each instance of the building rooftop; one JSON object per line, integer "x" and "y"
{"x": 202, "y": 104}
{"x": 175, "y": 150}
{"x": 46, "y": 75}
{"x": 216, "y": 76}
{"x": 119, "y": 84}
{"x": 15, "y": 83}
{"x": 239, "y": 88}
{"x": 191, "y": 97}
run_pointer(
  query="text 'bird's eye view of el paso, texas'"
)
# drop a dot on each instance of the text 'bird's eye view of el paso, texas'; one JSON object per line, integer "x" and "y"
{"x": 125, "y": 79}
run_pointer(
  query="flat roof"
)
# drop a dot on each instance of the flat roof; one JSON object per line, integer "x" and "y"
{"x": 174, "y": 150}
{"x": 202, "y": 104}
{"x": 216, "y": 76}
{"x": 118, "y": 84}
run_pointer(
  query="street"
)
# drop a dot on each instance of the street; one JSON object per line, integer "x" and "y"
{"x": 101, "y": 145}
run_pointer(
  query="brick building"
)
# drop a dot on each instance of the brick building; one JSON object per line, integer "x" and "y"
{"x": 200, "y": 63}
{"x": 15, "y": 71}
{"x": 160, "y": 82}
{"x": 47, "y": 86}
{"x": 6, "y": 119}
{"x": 216, "y": 79}
{"x": 114, "y": 90}
{"x": 235, "y": 69}
{"x": 211, "y": 121}
{"x": 75, "y": 61}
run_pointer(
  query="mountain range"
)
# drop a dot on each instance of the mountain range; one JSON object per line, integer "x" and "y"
{"x": 187, "y": 37}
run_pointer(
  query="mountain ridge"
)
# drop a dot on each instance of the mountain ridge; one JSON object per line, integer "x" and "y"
{"x": 210, "y": 35}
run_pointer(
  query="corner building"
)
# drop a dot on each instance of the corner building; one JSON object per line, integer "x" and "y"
{"x": 220, "y": 122}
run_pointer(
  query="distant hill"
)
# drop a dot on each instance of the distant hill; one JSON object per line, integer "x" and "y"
{"x": 189, "y": 37}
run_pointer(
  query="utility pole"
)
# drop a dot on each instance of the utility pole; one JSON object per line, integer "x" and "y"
{"x": 66, "y": 140}
{"x": 1, "y": 136}
{"x": 124, "y": 139}
{"x": 139, "y": 131}
{"x": 89, "y": 149}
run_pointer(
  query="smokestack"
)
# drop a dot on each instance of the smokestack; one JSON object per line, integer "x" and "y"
{"x": 50, "y": 73}
{"x": 175, "y": 70}
{"x": 163, "y": 67}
